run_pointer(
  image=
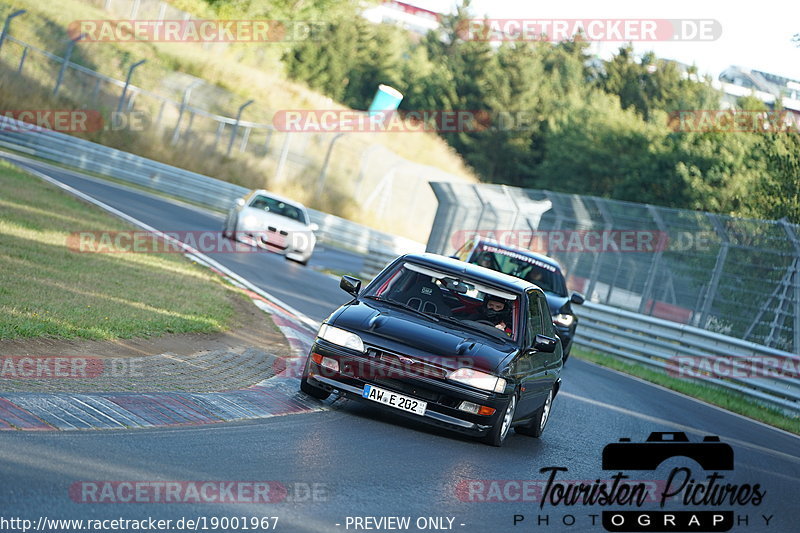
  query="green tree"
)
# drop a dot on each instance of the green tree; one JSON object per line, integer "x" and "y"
{"x": 776, "y": 192}
{"x": 654, "y": 84}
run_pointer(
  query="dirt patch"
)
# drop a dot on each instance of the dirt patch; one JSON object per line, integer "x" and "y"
{"x": 252, "y": 328}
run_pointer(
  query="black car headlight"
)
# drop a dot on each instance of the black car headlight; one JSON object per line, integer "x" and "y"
{"x": 478, "y": 379}
{"x": 563, "y": 319}
{"x": 341, "y": 337}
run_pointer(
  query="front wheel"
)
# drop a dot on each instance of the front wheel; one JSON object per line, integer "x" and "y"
{"x": 497, "y": 435}
{"x": 312, "y": 390}
{"x": 566, "y": 353}
{"x": 227, "y": 232}
{"x": 535, "y": 427}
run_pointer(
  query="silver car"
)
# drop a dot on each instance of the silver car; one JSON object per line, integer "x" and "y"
{"x": 274, "y": 223}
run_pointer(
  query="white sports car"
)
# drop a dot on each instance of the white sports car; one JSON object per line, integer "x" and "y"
{"x": 272, "y": 222}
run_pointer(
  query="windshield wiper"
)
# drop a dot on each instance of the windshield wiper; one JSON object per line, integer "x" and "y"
{"x": 432, "y": 316}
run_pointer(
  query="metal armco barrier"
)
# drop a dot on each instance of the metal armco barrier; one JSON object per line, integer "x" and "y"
{"x": 196, "y": 188}
{"x": 693, "y": 353}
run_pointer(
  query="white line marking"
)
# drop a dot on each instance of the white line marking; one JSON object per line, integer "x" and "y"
{"x": 188, "y": 249}
{"x": 682, "y": 395}
{"x": 664, "y": 421}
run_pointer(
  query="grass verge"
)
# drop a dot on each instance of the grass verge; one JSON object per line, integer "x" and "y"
{"x": 48, "y": 290}
{"x": 707, "y": 393}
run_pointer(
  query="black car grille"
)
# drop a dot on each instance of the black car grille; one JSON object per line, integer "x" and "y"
{"x": 412, "y": 365}
{"x": 397, "y": 372}
{"x": 273, "y": 229}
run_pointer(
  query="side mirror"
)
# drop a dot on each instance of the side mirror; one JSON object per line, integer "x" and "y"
{"x": 313, "y": 226}
{"x": 240, "y": 202}
{"x": 577, "y": 298}
{"x": 543, "y": 343}
{"x": 350, "y": 285}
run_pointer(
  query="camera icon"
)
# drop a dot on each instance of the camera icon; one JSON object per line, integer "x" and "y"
{"x": 711, "y": 454}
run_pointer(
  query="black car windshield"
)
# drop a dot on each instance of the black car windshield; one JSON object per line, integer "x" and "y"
{"x": 546, "y": 276}
{"x": 463, "y": 302}
{"x": 278, "y": 207}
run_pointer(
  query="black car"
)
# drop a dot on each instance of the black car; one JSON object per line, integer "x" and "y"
{"x": 545, "y": 272}
{"x": 445, "y": 342}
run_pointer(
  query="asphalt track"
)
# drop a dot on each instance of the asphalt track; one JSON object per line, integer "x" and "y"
{"x": 351, "y": 460}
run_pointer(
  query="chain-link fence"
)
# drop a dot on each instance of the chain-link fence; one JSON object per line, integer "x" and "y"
{"x": 735, "y": 276}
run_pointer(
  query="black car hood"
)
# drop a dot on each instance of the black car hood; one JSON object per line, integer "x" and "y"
{"x": 398, "y": 330}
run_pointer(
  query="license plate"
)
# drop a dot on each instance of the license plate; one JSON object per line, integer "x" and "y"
{"x": 392, "y": 399}
{"x": 275, "y": 239}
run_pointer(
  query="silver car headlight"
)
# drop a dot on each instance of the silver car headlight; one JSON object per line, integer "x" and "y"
{"x": 341, "y": 337}
{"x": 250, "y": 222}
{"x": 478, "y": 379}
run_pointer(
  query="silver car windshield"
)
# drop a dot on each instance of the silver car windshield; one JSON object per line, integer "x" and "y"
{"x": 278, "y": 207}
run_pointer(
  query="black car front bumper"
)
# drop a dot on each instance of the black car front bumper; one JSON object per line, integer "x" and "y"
{"x": 442, "y": 397}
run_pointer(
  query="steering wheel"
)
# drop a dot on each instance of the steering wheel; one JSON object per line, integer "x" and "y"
{"x": 484, "y": 321}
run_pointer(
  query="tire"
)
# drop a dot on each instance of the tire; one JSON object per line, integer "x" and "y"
{"x": 308, "y": 388}
{"x": 497, "y": 435}
{"x": 312, "y": 390}
{"x": 227, "y": 232}
{"x": 566, "y": 353}
{"x": 535, "y": 427}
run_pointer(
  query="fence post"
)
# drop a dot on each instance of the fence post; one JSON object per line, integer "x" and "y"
{"x": 22, "y": 59}
{"x": 7, "y": 24}
{"x": 594, "y": 273}
{"x": 176, "y": 134}
{"x": 269, "y": 138}
{"x": 236, "y": 125}
{"x": 718, "y": 267}
{"x": 282, "y": 158}
{"x": 218, "y": 135}
{"x": 160, "y": 114}
{"x": 65, "y": 62}
{"x": 796, "y": 277}
{"x": 127, "y": 82}
{"x": 321, "y": 180}
{"x": 647, "y": 290}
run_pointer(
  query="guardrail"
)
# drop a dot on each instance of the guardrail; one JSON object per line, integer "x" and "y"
{"x": 203, "y": 190}
{"x": 759, "y": 372}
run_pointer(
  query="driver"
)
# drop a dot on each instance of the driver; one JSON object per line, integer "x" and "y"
{"x": 494, "y": 310}
{"x": 485, "y": 260}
